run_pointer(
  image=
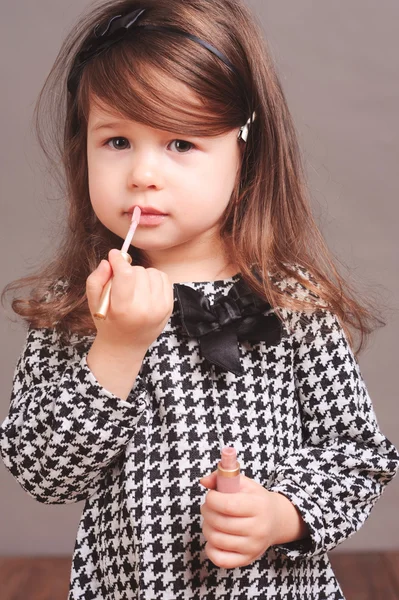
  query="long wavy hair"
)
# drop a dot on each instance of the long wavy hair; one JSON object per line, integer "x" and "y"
{"x": 268, "y": 222}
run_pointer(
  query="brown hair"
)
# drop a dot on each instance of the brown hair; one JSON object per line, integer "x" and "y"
{"x": 268, "y": 222}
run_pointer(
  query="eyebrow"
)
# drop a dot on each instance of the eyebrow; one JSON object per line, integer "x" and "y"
{"x": 115, "y": 124}
{"x": 112, "y": 125}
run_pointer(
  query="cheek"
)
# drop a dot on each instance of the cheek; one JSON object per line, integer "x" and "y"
{"x": 98, "y": 175}
{"x": 99, "y": 196}
{"x": 100, "y": 168}
{"x": 100, "y": 183}
{"x": 223, "y": 171}
{"x": 95, "y": 193}
{"x": 216, "y": 186}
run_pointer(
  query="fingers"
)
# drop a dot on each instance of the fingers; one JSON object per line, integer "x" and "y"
{"x": 227, "y": 560}
{"x": 162, "y": 291}
{"x": 239, "y": 504}
{"x": 118, "y": 262}
{"x": 96, "y": 282}
{"x": 225, "y": 523}
{"x": 139, "y": 301}
{"x": 209, "y": 481}
{"x": 130, "y": 290}
{"x": 168, "y": 291}
{"x": 147, "y": 289}
{"x": 224, "y": 541}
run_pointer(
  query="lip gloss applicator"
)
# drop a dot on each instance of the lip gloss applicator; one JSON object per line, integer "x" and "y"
{"x": 104, "y": 300}
{"x": 228, "y": 472}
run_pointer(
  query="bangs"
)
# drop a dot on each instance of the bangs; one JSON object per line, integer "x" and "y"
{"x": 165, "y": 86}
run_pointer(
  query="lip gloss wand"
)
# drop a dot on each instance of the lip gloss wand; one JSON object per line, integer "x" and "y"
{"x": 105, "y": 296}
{"x": 228, "y": 472}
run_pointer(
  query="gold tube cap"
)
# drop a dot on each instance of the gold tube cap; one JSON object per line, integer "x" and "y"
{"x": 229, "y": 472}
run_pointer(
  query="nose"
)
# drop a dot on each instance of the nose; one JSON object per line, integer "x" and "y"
{"x": 145, "y": 171}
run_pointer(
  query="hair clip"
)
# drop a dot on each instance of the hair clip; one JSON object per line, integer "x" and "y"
{"x": 244, "y": 131}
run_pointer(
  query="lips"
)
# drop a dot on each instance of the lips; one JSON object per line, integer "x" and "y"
{"x": 147, "y": 210}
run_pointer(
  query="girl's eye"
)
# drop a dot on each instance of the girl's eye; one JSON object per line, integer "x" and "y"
{"x": 183, "y": 146}
{"x": 121, "y": 143}
{"x": 115, "y": 143}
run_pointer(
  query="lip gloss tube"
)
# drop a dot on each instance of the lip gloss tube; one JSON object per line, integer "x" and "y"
{"x": 228, "y": 472}
{"x": 102, "y": 309}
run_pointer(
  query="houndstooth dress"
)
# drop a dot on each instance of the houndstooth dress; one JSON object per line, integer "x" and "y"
{"x": 299, "y": 416}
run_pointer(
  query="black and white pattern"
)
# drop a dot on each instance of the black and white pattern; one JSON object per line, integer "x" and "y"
{"x": 300, "y": 418}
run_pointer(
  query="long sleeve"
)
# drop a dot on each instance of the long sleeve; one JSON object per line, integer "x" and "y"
{"x": 63, "y": 428}
{"x": 344, "y": 462}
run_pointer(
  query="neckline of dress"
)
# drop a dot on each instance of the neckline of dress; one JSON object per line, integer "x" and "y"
{"x": 216, "y": 282}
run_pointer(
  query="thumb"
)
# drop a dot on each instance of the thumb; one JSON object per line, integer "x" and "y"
{"x": 209, "y": 481}
{"x": 118, "y": 261}
{"x": 247, "y": 484}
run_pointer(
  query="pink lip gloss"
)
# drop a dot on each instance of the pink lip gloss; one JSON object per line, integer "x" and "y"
{"x": 228, "y": 472}
{"x": 151, "y": 219}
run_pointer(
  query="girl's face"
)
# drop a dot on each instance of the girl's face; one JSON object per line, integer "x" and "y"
{"x": 188, "y": 179}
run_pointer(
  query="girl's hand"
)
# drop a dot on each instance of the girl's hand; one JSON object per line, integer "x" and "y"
{"x": 141, "y": 302}
{"x": 238, "y": 527}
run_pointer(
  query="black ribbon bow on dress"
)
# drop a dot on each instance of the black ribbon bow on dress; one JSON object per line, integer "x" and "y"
{"x": 239, "y": 316}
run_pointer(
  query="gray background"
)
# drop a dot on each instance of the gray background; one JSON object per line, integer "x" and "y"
{"x": 338, "y": 62}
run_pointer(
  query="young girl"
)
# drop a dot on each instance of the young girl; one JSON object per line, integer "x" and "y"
{"x": 230, "y": 327}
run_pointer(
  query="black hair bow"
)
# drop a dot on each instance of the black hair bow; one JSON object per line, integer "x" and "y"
{"x": 219, "y": 327}
{"x": 115, "y": 30}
